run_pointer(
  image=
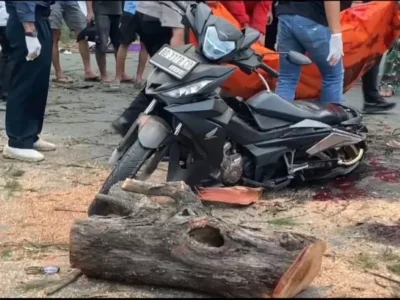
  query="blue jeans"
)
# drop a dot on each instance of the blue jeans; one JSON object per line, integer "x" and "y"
{"x": 303, "y": 35}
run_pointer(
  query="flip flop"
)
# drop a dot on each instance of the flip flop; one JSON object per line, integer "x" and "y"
{"x": 92, "y": 79}
{"x": 128, "y": 80}
{"x": 138, "y": 84}
{"x": 63, "y": 80}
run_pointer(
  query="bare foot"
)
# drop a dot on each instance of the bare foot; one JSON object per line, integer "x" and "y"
{"x": 106, "y": 79}
{"x": 126, "y": 78}
{"x": 91, "y": 76}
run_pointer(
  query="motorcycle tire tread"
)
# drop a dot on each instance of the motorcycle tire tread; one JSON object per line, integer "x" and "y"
{"x": 127, "y": 167}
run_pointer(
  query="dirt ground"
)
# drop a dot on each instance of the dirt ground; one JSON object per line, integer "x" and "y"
{"x": 358, "y": 216}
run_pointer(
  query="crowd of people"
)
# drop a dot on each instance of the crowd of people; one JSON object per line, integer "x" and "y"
{"x": 30, "y": 34}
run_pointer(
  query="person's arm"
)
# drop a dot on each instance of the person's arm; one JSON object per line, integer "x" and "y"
{"x": 332, "y": 11}
{"x": 170, "y": 18}
{"x": 89, "y": 8}
{"x": 260, "y": 16}
{"x": 26, "y": 14}
{"x": 238, "y": 11}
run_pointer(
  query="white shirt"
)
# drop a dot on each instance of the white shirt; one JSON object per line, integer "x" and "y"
{"x": 3, "y": 14}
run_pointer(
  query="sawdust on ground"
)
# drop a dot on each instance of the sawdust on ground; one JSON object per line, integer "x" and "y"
{"x": 43, "y": 216}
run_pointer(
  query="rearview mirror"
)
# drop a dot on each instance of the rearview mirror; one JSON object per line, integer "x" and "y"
{"x": 298, "y": 59}
{"x": 250, "y": 37}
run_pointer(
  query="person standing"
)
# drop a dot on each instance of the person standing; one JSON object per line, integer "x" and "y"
{"x": 390, "y": 82}
{"x": 76, "y": 22}
{"x": 128, "y": 34}
{"x": 107, "y": 15}
{"x": 30, "y": 36}
{"x": 312, "y": 27}
{"x": 158, "y": 25}
{"x": 373, "y": 101}
{"x": 5, "y": 65}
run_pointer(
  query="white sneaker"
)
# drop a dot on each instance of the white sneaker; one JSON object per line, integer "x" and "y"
{"x": 42, "y": 145}
{"x": 29, "y": 155}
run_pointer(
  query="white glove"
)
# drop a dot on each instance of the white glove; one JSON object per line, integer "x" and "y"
{"x": 335, "y": 49}
{"x": 33, "y": 46}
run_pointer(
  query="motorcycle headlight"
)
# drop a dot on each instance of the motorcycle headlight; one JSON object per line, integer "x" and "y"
{"x": 187, "y": 90}
{"x": 213, "y": 47}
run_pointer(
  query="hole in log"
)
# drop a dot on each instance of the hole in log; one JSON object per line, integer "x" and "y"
{"x": 210, "y": 236}
{"x": 185, "y": 212}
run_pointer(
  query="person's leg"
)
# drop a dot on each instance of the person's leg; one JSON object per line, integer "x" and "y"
{"x": 120, "y": 65}
{"x": 390, "y": 81}
{"x": 143, "y": 57}
{"x": 28, "y": 92}
{"x": 103, "y": 30}
{"x": 127, "y": 34}
{"x": 8, "y": 65}
{"x": 315, "y": 39}
{"x": 3, "y": 61}
{"x": 373, "y": 101}
{"x": 272, "y": 30}
{"x": 55, "y": 24}
{"x": 76, "y": 22}
{"x": 289, "y": 74}
{"x": 153, "y": 37}
{"x": 115, "y": 32}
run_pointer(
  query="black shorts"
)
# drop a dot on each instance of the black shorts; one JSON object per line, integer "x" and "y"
{"x": 152, "y": 34}
{"x": 128, "y": 28}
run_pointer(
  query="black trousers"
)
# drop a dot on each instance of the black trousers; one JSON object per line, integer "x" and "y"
{"x": 5, "y": 63}
{"x": 272, "y": 30}
{"x": 153, "y": 36}
{"x": 370, "y": 83}
{"x": 27, "y": 96}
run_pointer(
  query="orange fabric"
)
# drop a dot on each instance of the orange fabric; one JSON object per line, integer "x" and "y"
{"x": 368, "y": 31}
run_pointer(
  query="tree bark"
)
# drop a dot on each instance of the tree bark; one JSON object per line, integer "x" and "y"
{"x": 185, "y": 248}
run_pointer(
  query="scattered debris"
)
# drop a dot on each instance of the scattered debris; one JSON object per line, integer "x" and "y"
{"x": 238, "y": 195}
{"x": 383, "y": 276}
{"x": 70, "y": 278}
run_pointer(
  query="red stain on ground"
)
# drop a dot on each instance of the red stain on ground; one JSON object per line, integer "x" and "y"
{"x": 341, "y": 189}
{"x": 345, "y": 188}
{"x": 388, "y": 176}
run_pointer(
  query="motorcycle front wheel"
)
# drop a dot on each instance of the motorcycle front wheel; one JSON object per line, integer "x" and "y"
{"x": 138, "y": 162}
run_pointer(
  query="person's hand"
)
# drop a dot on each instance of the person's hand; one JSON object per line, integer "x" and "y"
{"x": 90, "y": 17}
{"x": 261, "y": 39}
{"x": 33, "y": 45}
{"x": 270, "y": 18}
{"x": 178, "y": 37}
{"x": 335, "y": 49}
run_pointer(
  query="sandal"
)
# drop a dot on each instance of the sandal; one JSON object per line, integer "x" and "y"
{"x": 386, "y": 91}
{"x": 138, "y": 84}
{"x": 93, "y": 79}
{"x": 63, "y": 80}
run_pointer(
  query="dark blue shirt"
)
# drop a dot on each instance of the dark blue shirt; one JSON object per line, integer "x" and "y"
{"x": 26, "y": 9}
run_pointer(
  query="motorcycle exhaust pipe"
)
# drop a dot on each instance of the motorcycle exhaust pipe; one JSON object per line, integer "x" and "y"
{"x": 338, "y": 138}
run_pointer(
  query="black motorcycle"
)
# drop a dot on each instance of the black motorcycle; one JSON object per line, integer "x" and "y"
{"x": 264, "y": 142}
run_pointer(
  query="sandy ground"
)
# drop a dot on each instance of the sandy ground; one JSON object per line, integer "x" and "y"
{"x": 357, "y": 216}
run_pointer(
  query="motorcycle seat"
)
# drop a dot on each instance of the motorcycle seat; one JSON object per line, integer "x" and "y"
{"x": 271, "y": 105}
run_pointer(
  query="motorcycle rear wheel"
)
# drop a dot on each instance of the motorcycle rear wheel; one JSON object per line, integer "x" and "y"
{"x": 138, "y": 162}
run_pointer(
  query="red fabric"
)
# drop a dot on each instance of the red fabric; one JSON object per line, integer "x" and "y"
{"x": 254, "y": 13}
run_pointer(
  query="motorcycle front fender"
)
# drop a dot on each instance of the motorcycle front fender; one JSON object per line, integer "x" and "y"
{"x": 153, "y": 130}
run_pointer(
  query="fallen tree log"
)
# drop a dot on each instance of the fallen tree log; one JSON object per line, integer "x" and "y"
{"x": 183, "y": 247}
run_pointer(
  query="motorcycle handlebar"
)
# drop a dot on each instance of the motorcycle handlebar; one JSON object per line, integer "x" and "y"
{"x": 269, "y": 70}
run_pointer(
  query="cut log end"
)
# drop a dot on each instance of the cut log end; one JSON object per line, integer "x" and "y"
{"x": 302, "y": 272}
